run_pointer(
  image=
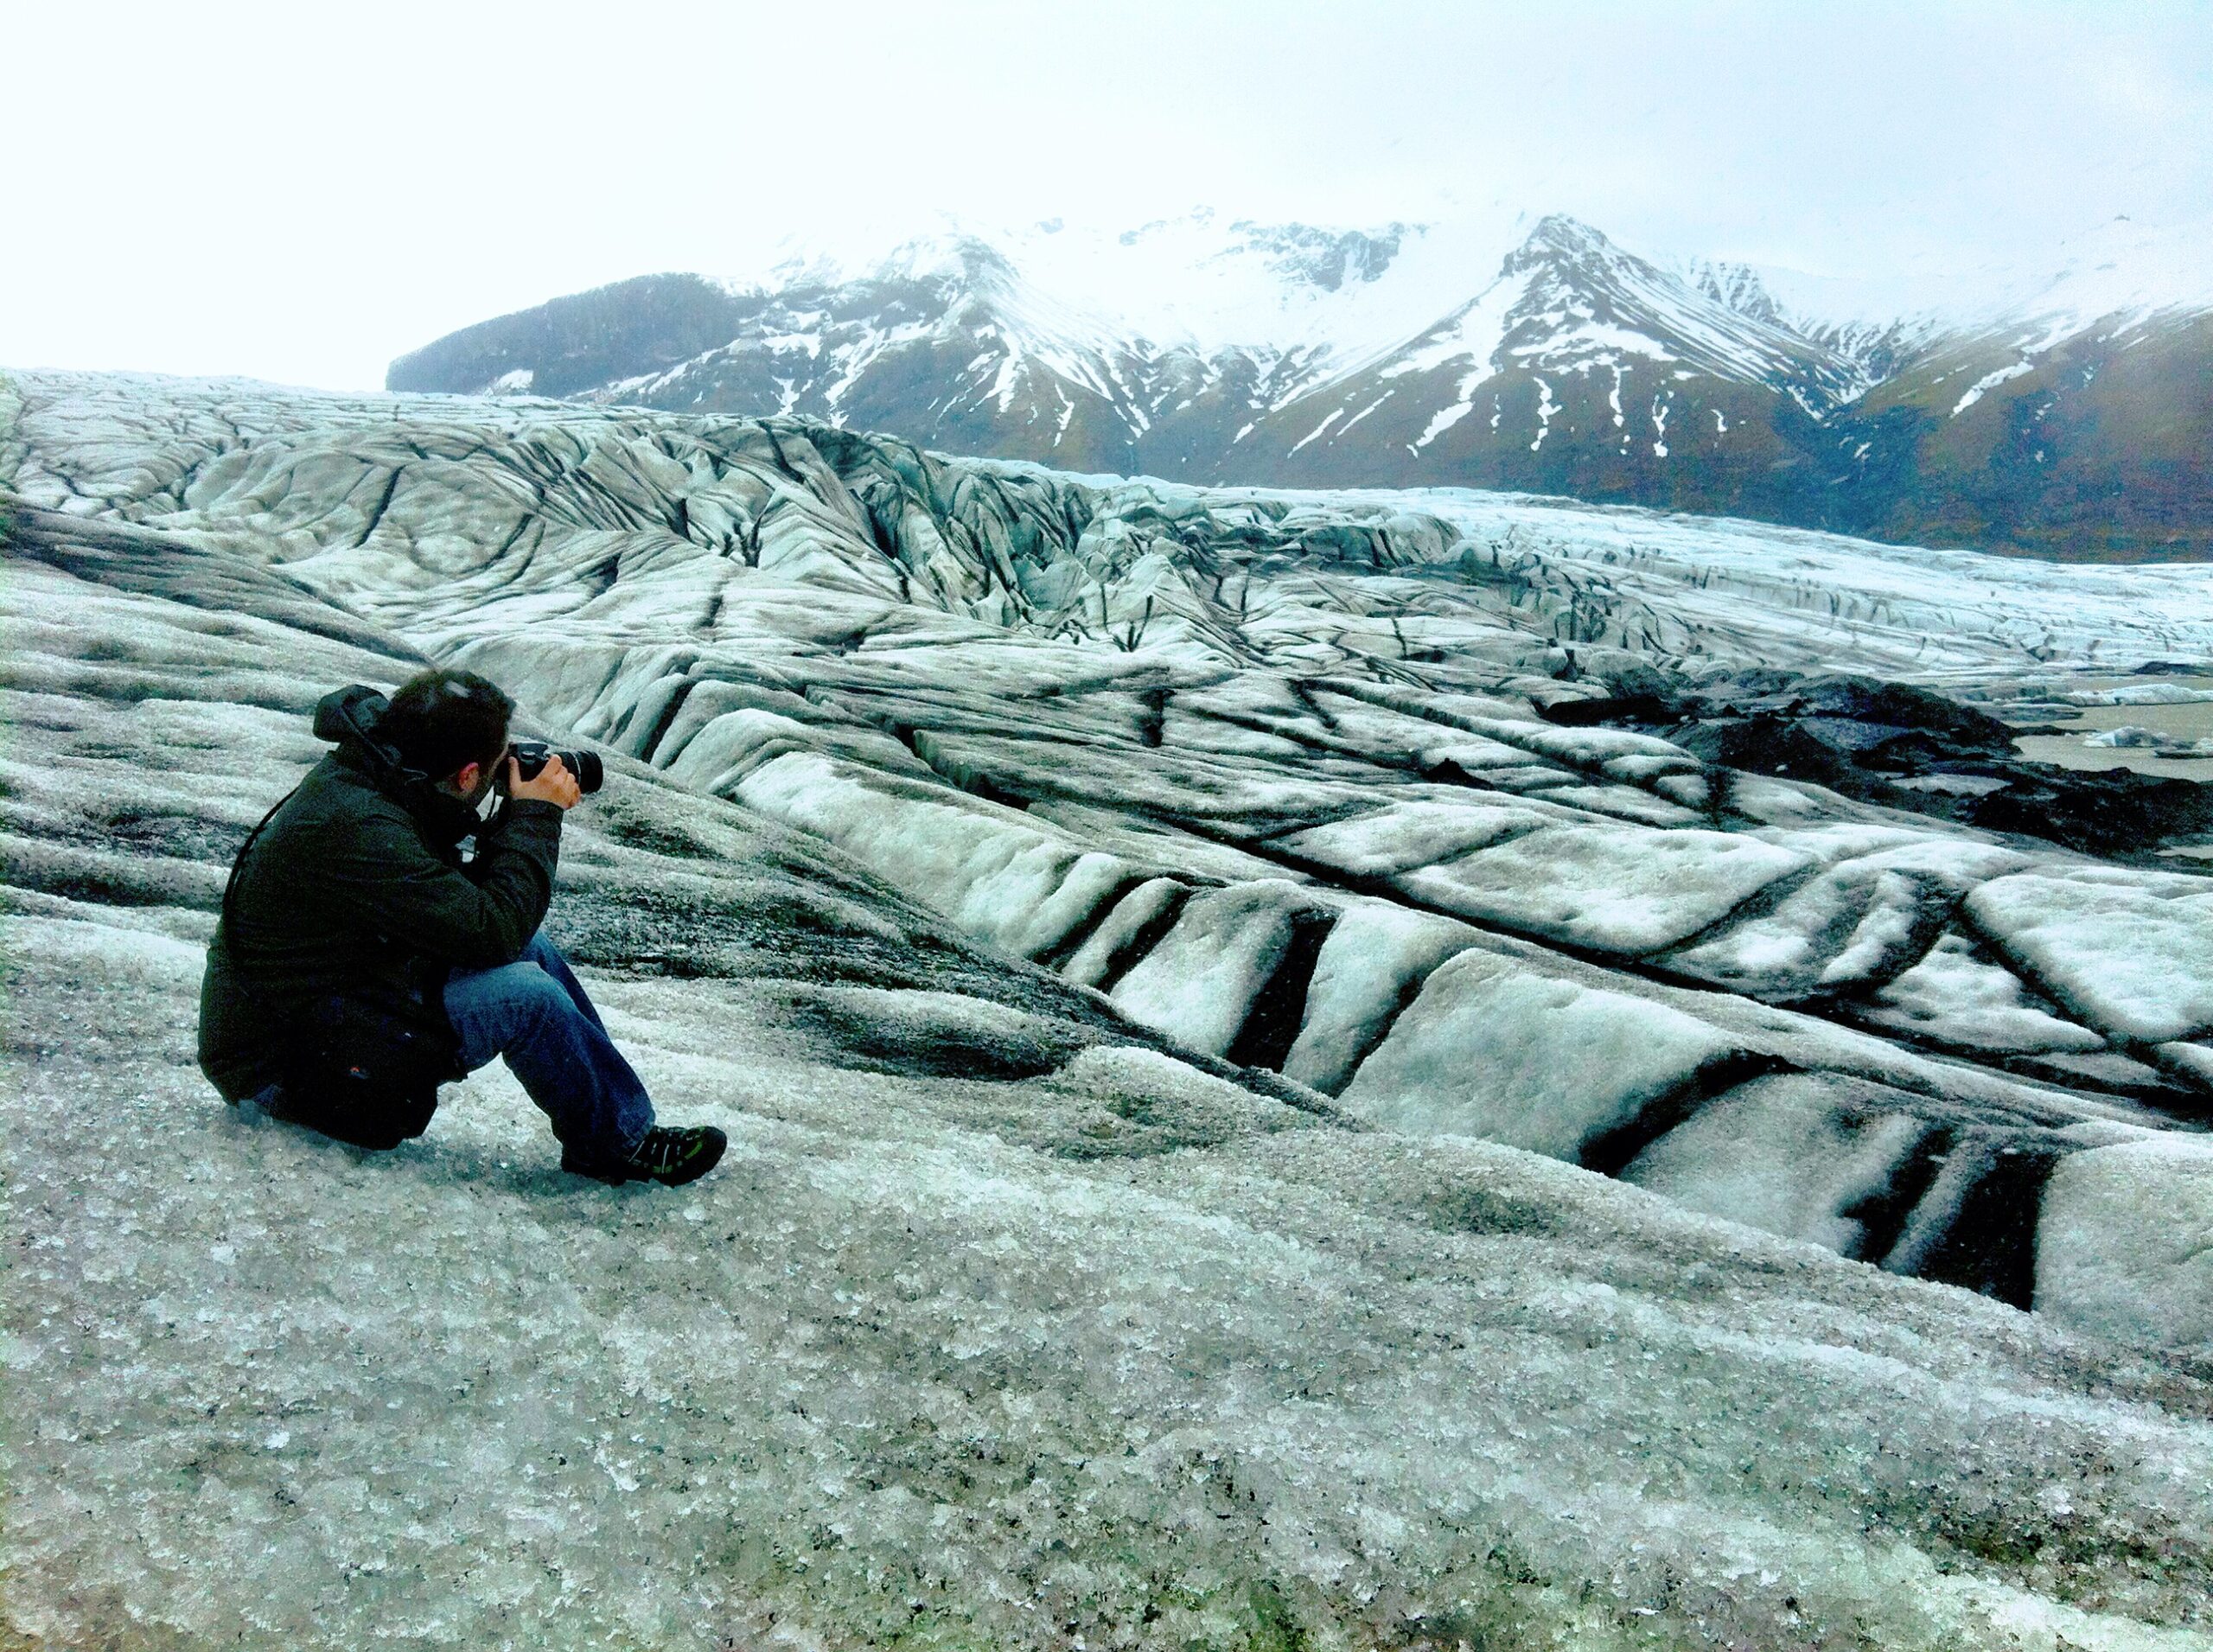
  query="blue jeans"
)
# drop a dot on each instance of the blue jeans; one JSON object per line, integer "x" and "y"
{"x": 534, "y": 1012}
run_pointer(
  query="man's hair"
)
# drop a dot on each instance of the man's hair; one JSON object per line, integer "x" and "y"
{"x": 441, "y": 720}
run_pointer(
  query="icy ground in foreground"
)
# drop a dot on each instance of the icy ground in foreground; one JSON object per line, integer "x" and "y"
{"x": 1022, "y": 1313}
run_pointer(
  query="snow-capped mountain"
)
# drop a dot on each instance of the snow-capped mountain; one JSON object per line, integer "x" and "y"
{"x": 1615, "y": 365}
{"x": 1546, "y": 359}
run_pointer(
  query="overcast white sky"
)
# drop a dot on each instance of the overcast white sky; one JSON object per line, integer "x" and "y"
{"x": 302, "y": 192}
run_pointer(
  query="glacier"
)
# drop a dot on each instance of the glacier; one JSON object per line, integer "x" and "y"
{"x": 1258, "y": 1115}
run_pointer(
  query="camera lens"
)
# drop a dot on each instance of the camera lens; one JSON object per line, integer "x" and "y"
{"x": 533, "y": 756}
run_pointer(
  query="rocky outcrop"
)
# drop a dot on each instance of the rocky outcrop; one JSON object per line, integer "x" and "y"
{"x": 1900, "y": 746}
{"x": 580, "y": 343}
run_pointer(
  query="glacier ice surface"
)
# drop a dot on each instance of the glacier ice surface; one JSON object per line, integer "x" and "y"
{"x": 1012, "y": 1318}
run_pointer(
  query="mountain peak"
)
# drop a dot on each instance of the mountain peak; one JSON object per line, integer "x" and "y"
{"x": 1558, "y": 236}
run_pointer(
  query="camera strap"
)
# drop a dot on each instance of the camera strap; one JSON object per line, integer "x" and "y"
{"x": 238, "y": 864}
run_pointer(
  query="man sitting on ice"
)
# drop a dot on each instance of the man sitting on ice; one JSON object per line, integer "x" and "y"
{"x": 360, "y": 961}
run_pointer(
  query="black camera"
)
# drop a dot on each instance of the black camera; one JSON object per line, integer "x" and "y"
{"x": 533, "y": 756}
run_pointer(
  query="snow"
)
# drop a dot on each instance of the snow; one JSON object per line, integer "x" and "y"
{"x": 1404, "y": 836}
{"x": 1194, "y": 986}
{"x": 1366, "y": 411}
{"x": 1791, "y": 1155}
{"x": 2120, "y": 275}
{"x": 2153, "y": 693}
{"x": 1955, "y": 997}
{"x": 2120, "y": 272}
{"x": 1011, "y": 1319}
{"x": 1202, "y": 283}
{"x": 1020, "y": 887}
{"x": 1375, "y": 957}
{"x": 1318, "y": 430}
{"x": 2131, "y": 953}
{"x": 2128, "y": 736}
{"x": 1593, "y": 344}
{"x": 1207, "y": 284}
{"x": 2125, "y": 1241}
{"x": 882, "y": 1348}
{"x": 1625, "y": 889}
{"x": 1473, "y": 334}
{"x": 1545, "y": 408}
{"x": 1493, "y": 1050}
{"x": 1441, "y": 421}
{"x": 1989, "y": 381}
{"x": 1855, "y": 922}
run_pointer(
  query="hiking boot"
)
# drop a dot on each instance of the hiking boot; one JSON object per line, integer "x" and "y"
{"x": 671, "y": 1157}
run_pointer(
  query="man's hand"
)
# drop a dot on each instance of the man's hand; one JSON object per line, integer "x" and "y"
{"x": 554, "y": 784}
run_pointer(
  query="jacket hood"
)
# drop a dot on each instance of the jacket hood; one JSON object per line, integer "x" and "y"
{"x": 348, "y": 719}
{"x": 350, "y": 713}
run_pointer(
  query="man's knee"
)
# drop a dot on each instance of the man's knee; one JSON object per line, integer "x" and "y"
{"x": 494, "y": 1008}
{"x": 527, "y": 990}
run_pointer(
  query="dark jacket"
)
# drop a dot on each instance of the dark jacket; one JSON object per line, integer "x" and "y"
{"x": 356, "y": 889}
